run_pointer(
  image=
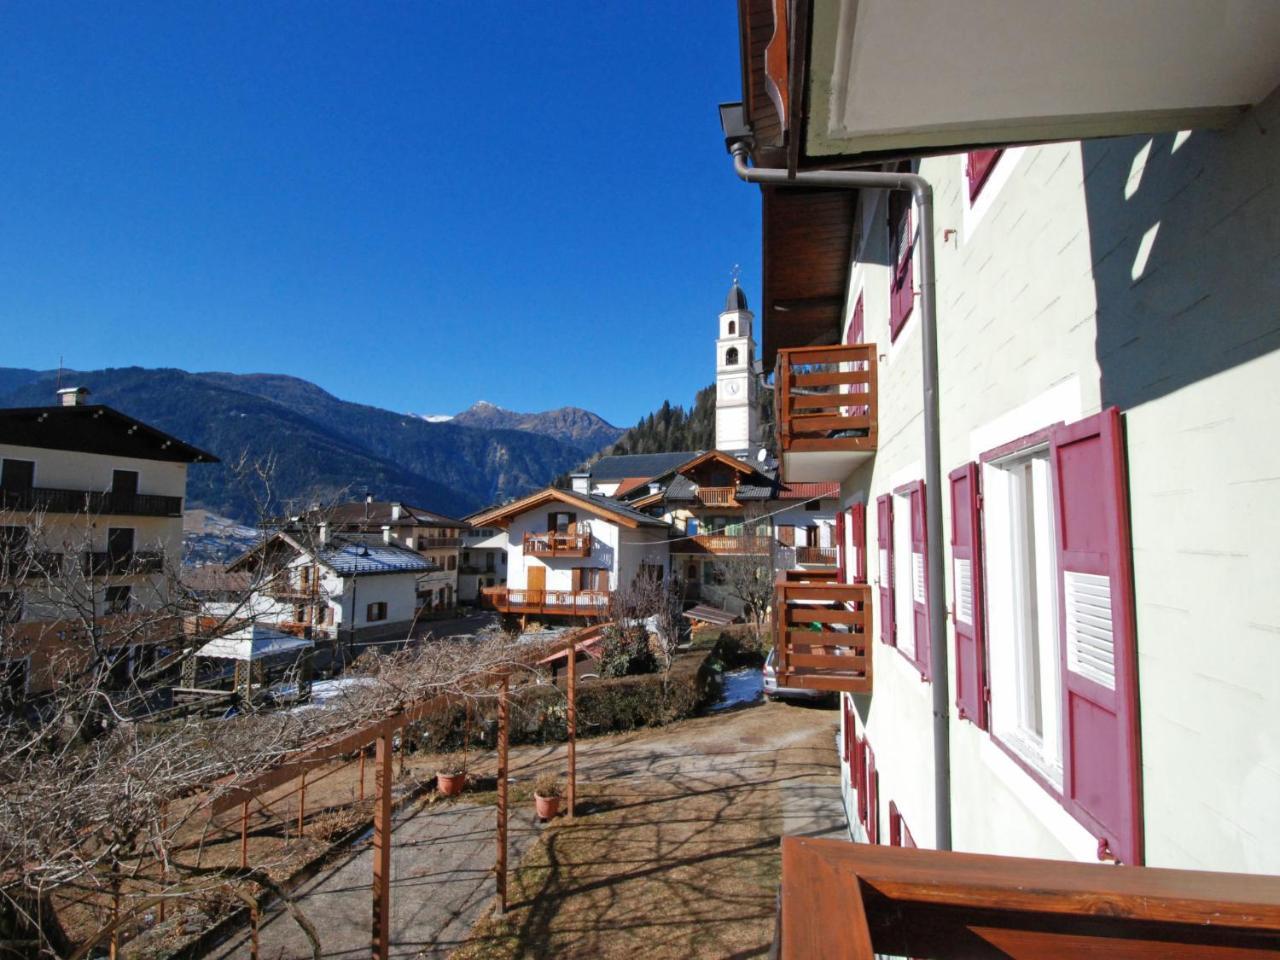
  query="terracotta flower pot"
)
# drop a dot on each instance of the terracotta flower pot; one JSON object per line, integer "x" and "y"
{"x": 547, "y": 807}
{"x": 450, "y": 784}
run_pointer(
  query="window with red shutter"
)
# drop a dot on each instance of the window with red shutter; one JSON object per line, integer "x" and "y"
{"x": 968, "y": 607}
{"x": 980, "y": 165}
{"x": 901, "y": 248}
{"x": 915, "y": 578}
{"x": 1096, "y": 618}
{"x": 884, "y": 540}
{"x": 872, "y": 779}
{"x": 857, "y": 324}
{"x": 857, "y": 526}
{"x": 899, "y": 832}
{"x": 860, "y": 777}
{"x": 841, "y": 559}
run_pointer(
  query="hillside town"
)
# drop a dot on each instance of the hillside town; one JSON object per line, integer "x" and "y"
{"x": 955, "y": 637}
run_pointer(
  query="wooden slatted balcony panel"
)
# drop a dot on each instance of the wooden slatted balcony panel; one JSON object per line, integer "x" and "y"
{"x": 558, "y": 603}
{"x": 822, "y": 631}
{"x": 810, "y": 576}
{"x": 816, "y": 556}
{"x": 95, "y": 502}
{"x": 826, "y": 410}
{"x": 724, "y": 544}
{"x": 853, "y": 901}
{"x": 718, "y": 496}
{"x": 574, "y": 542}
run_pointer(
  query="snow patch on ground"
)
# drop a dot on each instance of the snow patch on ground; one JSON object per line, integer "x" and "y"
{"x": 325, "y": 692}
{"x": 741, "y": 686}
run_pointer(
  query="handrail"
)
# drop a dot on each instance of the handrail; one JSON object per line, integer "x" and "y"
{"x": 56, "y": 500}
{"x": 826, "y": 398}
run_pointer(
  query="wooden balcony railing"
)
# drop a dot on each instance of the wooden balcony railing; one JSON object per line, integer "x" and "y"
{"x": 822, "y": 632}
{"x": 718, "y": 496}
{"x": 856, "y": 901}
{"x": 826, "y": 398}
{"x": 816, "y": 556}
{"x": 51, "y": 500}
{"x": 575, "y": 542}
{"x": 723, "y": 544}
{"x": 438, "y": 543}
{"x": 100, "y": 564}
{"x": 560, "y": 603}
{"x": 810, "y": 576}
{"x": 39, "y": 564}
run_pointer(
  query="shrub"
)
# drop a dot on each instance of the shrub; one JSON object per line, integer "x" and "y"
{"x": 548, "y": 785}
{"x": 625, "y": 652}
{"x": 451, "y": 764}
{"x": 738, "y": 647}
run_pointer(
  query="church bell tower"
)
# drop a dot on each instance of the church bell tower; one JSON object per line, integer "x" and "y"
{"x": 737, "y": 405}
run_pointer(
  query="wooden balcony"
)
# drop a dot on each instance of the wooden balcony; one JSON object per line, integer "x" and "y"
{"x": 95, "y": 502}
{"x": 822, "y": 632}
{"x": 438, "y": 543}
{"x": 826, "y": 409}
{"x": 574, "y": 542}
{"x": 718, "y": 496}
{"x": 722, "y": 544}
{"x": 549, "y": 603}
{"x": 816, "y": 556}
{"x": 30, "y": 566}
{"x": 854, "y": 901}
{"x": 810, "y": 576}
{"x": 99, "y": 564}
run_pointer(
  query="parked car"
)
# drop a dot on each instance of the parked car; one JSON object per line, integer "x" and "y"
{"x": 775, "y": 692}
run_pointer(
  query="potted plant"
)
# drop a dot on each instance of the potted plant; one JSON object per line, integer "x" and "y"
{"x": 547, "y": 791}
{"x": 451, "y": 775}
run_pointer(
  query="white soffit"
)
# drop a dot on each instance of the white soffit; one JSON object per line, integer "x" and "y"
{"x": 904, "y": 74}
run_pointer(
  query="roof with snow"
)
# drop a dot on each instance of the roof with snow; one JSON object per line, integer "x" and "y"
{"x": 253, "y": 643}
{"x": 345, "y": 556}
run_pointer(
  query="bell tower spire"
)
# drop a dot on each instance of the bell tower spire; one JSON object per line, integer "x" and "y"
{"x": 737, "y": 406}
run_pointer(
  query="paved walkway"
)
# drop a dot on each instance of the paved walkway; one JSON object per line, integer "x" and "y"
{"x": 441, "y": 881}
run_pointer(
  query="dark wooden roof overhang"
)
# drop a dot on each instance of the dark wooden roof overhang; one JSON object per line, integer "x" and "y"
{"x": 807, "y": 245}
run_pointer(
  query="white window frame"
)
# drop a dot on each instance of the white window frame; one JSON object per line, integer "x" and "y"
{"x": 904, "y": 612}
{"x": 1005, "y": 541}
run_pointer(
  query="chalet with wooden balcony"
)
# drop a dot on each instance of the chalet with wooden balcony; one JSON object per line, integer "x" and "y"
{"x": 435, "y": 537}
{"x": 483, "y": 560}
{"x": 567, "y": 551}
{"x": 1017, "y": 557}
{"x": 90, "y": 522}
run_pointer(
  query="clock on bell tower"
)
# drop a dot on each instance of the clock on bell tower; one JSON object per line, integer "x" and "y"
{"x": 737, "y": 407}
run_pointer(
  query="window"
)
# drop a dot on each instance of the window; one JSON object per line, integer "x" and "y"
{"x": 119, "y": 599}
{"x": 901, "y": 249}
{"x": 691, "y": 526}
{"x": 857, "y": 324}
{"x": 731, "y": 357}
{"x": 488, "y": 563}
{"x": 17, "y": 475}
{"x": 1022, "y": 600}
{"x": 899, "y": 833}
{"x": 375, "y": 612}
{"x": 120, "y": 544}
{"x": 733, "y": 328}
{"x": 10, "y": 606}
{"x": 560, "y": 521}
{"x": 451, "y": 562}
{"x": 1060, "y": 634}
{"x": 466, "y": 558}
{"x": 813, "y": 506}
{"x": 978, "y": 169}
{"x": 124, "y": 482}
{"x": 884, "y": 570}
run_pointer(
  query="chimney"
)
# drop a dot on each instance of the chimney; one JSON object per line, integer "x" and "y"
{"x": 386, "y": 533}
{"x": 655, "y": 488}
{"x": 396, "y": 511}
{"x": 72, "y": 396}
{"x": 580, "y": 482}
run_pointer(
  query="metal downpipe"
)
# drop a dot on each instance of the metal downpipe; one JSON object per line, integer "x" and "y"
{"x": 922, "y": 193}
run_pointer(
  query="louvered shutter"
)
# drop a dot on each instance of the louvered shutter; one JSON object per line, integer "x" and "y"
{"x": 920, "y": 577}
{"x": 857, "y": 525}
{"x": 968, "y": 610}
{"x": 841, "y": 558}
{"x": 859, "y": 774}
{"x": 1100, "y": 770}
{"x": 884, "y": 538}
{"x": 902, "y": 282}
{"x": 873, "y": 797}
{"x": 846, "y": 737}
{"x": 857, "y": 325}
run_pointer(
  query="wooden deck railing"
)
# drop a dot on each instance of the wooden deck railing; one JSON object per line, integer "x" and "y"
{"x": 822, "y": 632}
{"x": 561, "y": 603}
{"x": 723, "y": 544}
{"x": 100, "y": 563}
{"x": 718, "y": 496}
{"x": 856, "y": 901}
{"x": 574, "y": 542}
{"x": 826, "y": 398}
{"x": 53, "y": 500}
{"x": 817, "y": 556}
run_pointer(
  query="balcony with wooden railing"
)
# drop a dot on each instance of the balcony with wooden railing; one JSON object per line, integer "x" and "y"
{"x": 438, "y": 543}
{"x": 102, "y": 563}
{"x": 95, "y": 502}
{"x": 718, "y": 496}
{"x": 857, "y": 901}
{"x": 816, "y": 556}
{"x": 825, "y": 399}
{"x": 822, "y": 632}
{"x": 725, "y": 544}
{"x": 574, "y": 542}
{"x": 552, "y": 603}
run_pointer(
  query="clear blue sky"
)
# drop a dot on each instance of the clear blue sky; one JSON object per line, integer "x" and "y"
{"x": 415, "y": 205}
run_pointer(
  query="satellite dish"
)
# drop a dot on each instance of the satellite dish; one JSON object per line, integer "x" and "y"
{"x": 762, "y": 455}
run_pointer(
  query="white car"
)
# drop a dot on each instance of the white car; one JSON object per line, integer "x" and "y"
{"x": 774, "y": 692}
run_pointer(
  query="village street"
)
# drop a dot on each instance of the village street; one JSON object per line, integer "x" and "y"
{"x": 683, "y": 819}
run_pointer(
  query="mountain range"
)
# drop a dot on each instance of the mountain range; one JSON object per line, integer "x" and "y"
{"x": 322, "y": 447}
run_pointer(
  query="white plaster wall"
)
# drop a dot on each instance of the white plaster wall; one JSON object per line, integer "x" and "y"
{"x": 1138, "y": 274}
{"x": 620, "y": 550}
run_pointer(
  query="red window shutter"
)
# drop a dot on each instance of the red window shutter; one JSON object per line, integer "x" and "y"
{"x": 857, "y": 325}
{"x": 845, "y": 730}
{"x": 902, "y": 281}
{"x": 841, "y": 559}
{"x": 1096, "y": 618}
{"x": 873, "y": 798}
{"x": 920, "y": 577}
{"x": 860, "y": 777}
{"x": 857, "y": 524}
{"x": 968, "y": 611}
{"x": 981, "y": 163}
{"x": 884, "y": 536}
{"x": 899, "y": 833}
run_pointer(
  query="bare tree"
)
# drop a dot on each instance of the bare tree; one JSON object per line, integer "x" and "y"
{"x": 748, "y": 573}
